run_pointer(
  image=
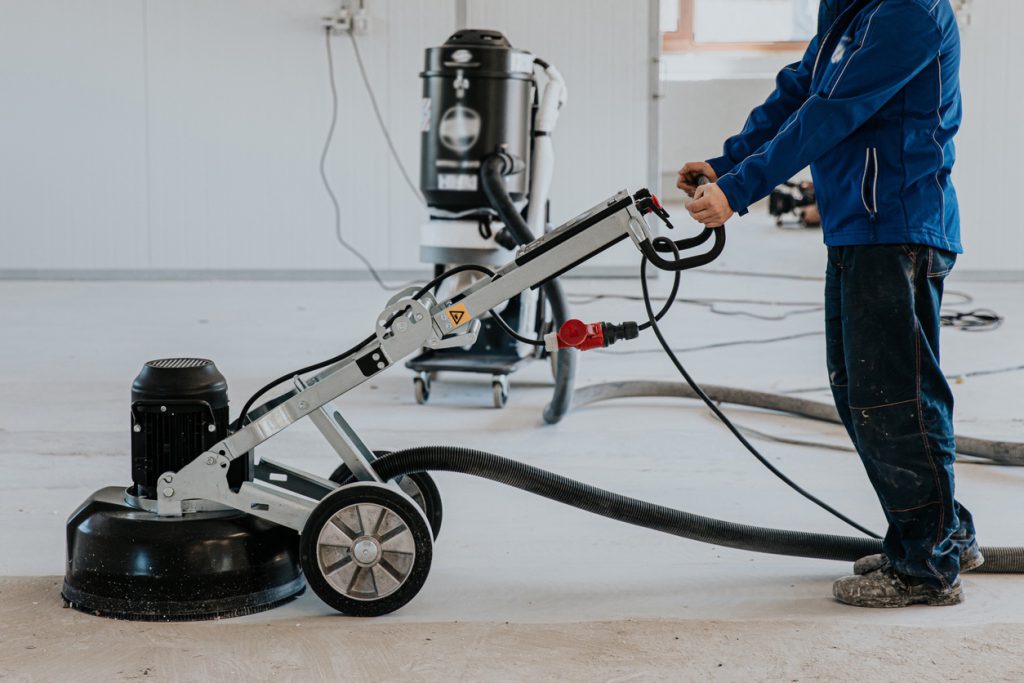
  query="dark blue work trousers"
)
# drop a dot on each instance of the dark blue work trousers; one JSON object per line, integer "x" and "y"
{"x": 882, "y": 323}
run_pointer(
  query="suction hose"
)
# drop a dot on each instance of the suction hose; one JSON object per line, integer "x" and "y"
{"x": 1000, "y": 452}
{"x": 650, "y": 515}
{"x": 492, "y": 173}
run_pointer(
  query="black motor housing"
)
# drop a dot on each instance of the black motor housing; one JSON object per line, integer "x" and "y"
{"x": 477, "y": 99}
{"x": 179, "y": 410}
{"x": 126, "y": 561}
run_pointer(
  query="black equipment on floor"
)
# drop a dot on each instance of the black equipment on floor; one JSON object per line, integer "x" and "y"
{"x": 126, "y": 562}
{"x": 796, "y": 202}
{"x": 485, "y": 103}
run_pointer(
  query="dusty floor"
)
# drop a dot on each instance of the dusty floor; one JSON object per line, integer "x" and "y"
{"x": 520, "y": 588}
{"x": 43, "y": 642}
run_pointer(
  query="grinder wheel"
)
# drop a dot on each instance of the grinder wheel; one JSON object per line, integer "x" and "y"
{"x": 127, "y": 563}
{"x": 366, "y": 550}
{"x": 419, "y": 486}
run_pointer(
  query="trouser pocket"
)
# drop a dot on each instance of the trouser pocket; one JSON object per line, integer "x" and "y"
{"x": 898, "y": 456}
{"x": 940, "y": 262}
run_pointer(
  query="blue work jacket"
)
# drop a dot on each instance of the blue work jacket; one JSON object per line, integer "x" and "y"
{"x": 872, "y": 107}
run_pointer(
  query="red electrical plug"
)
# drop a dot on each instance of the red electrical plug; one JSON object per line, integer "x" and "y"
{"x": 576, "y": 334}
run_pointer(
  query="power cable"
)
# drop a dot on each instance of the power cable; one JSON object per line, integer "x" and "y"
{"x": 732, "y": 428}
{"x": 327, "y": 183}
{"x": 355, "y": 349}
{"x": 751, "y": 273}
{"x": 719, "y": 345}
{"x": 380, "y": 121}
{"x": 507, "y": 329}
{"x": 978, "y": 320}
{"x": 676, "y": 280}
{"x": 950, "y": 376}
{"x": 711, "y": 304}
{"x": 319, "y": 365}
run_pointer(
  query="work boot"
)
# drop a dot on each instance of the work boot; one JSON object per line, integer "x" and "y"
{"x": 970, "y": 558}
{"x": 886, "y": 587}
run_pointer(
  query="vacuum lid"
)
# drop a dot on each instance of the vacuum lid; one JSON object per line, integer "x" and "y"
{"x": 477, "y": 37}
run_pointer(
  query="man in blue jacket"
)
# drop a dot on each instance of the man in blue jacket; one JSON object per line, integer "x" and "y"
{"x": 873, "y": 107}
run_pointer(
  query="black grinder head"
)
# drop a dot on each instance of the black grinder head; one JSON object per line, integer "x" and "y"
{"x": 125, "y": 561}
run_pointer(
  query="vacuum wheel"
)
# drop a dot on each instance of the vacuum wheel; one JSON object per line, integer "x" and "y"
{"x": 499, "y": 390}
{"x": 366, "y": 550}
{"x": 421, "y": 388}
{"x": 419, "y": 486}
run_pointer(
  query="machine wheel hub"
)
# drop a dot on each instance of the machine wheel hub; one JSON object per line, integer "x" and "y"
{"x": 366, "y": 551}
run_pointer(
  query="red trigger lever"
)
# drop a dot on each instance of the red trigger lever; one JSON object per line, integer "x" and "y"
{"x": 648, "y": 203}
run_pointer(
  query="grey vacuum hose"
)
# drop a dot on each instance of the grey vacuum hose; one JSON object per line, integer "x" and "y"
{"x": 1000, "y": 452}
{"x": 650, "y": 515}
{"x": 492, "y": 173}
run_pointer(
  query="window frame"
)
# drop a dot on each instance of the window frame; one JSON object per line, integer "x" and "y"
{"x": 682, "y": 39}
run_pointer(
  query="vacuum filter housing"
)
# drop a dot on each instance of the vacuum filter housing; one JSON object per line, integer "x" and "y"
{"x": 477, "y": 92}
{"x": 127, "y": 562}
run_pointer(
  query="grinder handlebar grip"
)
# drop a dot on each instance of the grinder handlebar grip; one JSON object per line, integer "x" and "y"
{"x": 704, "y": 180}
{"x": 651, "y": 251}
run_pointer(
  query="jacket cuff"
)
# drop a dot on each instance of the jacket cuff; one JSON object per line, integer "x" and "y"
{"x": 721, "y": 165}
{"x": 732, "y": 192}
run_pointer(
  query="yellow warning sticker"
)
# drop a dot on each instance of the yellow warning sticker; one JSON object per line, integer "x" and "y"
{"x": 458, "y": 315}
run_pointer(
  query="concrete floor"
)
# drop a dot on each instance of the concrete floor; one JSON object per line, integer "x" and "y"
{"x": 521, "y": 588}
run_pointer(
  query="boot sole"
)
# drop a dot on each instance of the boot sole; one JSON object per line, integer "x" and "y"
{"x": 953, "y": 597}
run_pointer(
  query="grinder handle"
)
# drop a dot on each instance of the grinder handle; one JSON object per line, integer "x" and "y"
{"x": 650, "y": 251}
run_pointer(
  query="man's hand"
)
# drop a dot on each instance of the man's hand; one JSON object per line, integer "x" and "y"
{"x": 710, "y": 206}
{"x": 689, "y": 173}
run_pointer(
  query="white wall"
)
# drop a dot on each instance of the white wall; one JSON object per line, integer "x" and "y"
{"x": 989, "y": 175}
{"x": 180, "y": 136}
{"x": 601, "y": 48}
{"x": 73, "y": 188}
{"x": 697, "y": 115}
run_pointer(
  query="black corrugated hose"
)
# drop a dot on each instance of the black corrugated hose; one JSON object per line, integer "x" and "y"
{"x": 492, "y": 173}
{"x": 650, "y": 515}
{"x": 1008, "y": 453}
{"x": 613, "y": 505}
{"x": 617, "y": 506}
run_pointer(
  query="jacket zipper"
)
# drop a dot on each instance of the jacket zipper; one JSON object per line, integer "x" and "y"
{"x": 869, "y": 183}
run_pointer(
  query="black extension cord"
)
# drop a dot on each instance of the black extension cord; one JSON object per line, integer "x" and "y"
{"x": 731, "y": 427}
{"x": 240, "y": 422}
{"x": 651, "y": 323}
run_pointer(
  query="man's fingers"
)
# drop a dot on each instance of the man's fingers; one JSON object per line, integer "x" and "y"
{"x": 703, "y": 212}
{"x": 695, "y": 169}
